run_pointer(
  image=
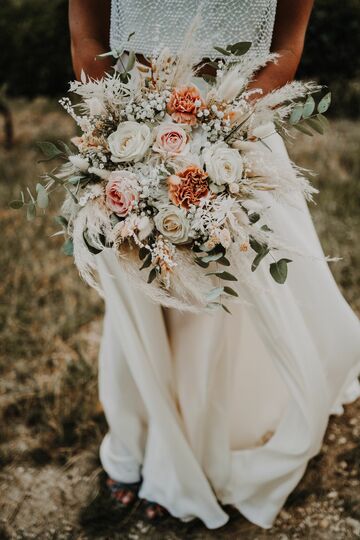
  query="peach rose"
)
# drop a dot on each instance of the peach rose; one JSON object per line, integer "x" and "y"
{"x": 121, "y": 192}
{"x": 170, "y": 139}
{"x": 184, "y": 104}
{"x": 188, "y": 187}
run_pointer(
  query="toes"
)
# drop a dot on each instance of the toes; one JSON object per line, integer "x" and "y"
{"x": 154, "y": 511}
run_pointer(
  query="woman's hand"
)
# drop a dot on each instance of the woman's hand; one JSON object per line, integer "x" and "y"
{"x": 291, "y": 22}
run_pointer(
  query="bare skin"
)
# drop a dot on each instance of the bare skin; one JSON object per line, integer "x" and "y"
{"x": 89, "y": 22}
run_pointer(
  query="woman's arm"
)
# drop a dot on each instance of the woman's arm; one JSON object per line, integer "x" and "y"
{"x": 292, "y": 17}
{"x": 89, "y": 22}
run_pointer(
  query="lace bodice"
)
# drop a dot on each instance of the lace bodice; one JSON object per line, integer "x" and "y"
{"x": 159, "y": 23}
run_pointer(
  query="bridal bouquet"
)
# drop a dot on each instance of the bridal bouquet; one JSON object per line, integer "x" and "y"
{"x": 175, "y": 176}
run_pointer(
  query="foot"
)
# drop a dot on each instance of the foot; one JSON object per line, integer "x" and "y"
{"x": 124, "y": 493}
{"x": 154, "y": 511}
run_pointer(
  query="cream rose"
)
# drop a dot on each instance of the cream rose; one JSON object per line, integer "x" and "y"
{"x": 121, "y": 192}
{"x": 224, "y": 165}
{"x": 171, "y": 139}
{"x": 129, "y": 142}
{"x": 172, "y": 223}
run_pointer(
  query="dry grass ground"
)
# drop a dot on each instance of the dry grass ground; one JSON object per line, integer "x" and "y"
{"x": 51, "y": 485}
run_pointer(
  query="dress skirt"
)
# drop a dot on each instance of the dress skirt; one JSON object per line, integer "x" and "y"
{"x": 214, "y": 409}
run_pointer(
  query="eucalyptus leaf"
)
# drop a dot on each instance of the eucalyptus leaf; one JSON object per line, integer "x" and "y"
{"x": 50, "y": 150}
{"x": 222, "y": 51}
{"x": 303, "y": 129}
{"x": 31, "y": 211}
{"x": 199, "y": 261}
{"x": 239, "y": 48}
{"x": 309, "y": 107}
{"x": 324, "y": 103}
{"x": 229, "y": 290}
{"x": 62, "y": 221}
{"x": 143, "y": 252}
{"x": 296, "y": 114}
{"x": 147, "y": 262}
{"x": 152, "y": 275}
{"x": 212, "y": 258}
{"x": 254, "y": 217}
{"x": 226, "y": 309}
{"x": 223, "y": 275}
{"x": 224, "y": 261}
{"x": 16, "y": 205}
{"x": 68, "y": 247}
{"x": 259, "y": 257}
{"x": 316, "y": 125}
{"x": 94, "y": 250}
{"x": 257, "y": 246}
{"x": 279, "y": 270}
{"x": 42, "y": 198}
{"x": 214, "y": 293}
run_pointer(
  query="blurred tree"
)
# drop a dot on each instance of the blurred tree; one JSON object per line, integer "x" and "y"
{"x": 35, "y": 51}
{"x": 34, "y": 44}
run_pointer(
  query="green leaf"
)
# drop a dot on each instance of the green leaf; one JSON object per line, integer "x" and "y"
{"x": 143, "y": 252}
{"x": 76, "y": 179}
{"x": 226, "y": 309}
{"x": 61, "y": 220}
{"x": 152, "y": 275}
{"x": 49, "y": 150}
{"x": 325, "y": 122}
{"x": 303, "y": 129}
{"x": 31, "y": 212}
{"x": 224, "y": 261}
{"x": 147, "y": 262}
{"x": 74, "y": 198}
{"x": 324, "y": 103}
{"x": 91, "y": 248}
{"x": 223, "y": 275}
{"x": 316, "y": 125}
{"x": 279, "y": 270}
{"x": 239, "y": 48}
{"x": 42, "y": 198}
{"x": 199, "y": 261}
{"x": 296, "y": 114}
{"x": 259, "y": 257}
{"x": 214, "y": 293}
{"x": 211, "y": 258}
{"x": 16, "y": 205}
{"x": 222, "y": 51}
{"x": 309, "y": 107}
{"x": 68, "y": 247}
{"x": 229, "y": 290}
{"x": 254, "y": 217}
{"x": 257, "y": 246}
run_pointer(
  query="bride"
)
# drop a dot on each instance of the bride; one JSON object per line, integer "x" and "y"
{"x": 208, "y": 410}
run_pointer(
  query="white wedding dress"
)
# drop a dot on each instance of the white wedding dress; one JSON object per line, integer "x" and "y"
{"x": 219, "y": 409}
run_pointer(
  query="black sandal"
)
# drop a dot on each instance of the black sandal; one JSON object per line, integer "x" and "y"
{"x": 131, "y": 490}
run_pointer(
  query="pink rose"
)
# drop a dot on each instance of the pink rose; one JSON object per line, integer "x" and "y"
{"x": 171, "y": 139}
{"x": 121, "y": 192}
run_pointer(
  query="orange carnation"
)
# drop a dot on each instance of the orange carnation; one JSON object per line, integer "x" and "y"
{"x": 188, "y": 187}
{"x": 184, "y": 104}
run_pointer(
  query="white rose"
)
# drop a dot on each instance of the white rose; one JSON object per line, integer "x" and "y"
{"x": 129, "y": 142}
{"x": 224, "y": 165}
{"x": 171, "y": 221}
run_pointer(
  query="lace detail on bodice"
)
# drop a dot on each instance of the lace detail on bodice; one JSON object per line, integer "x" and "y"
{"x": 160, "y": 23}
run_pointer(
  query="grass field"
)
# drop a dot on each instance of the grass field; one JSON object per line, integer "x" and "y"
{"x": 50, "y": 325}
